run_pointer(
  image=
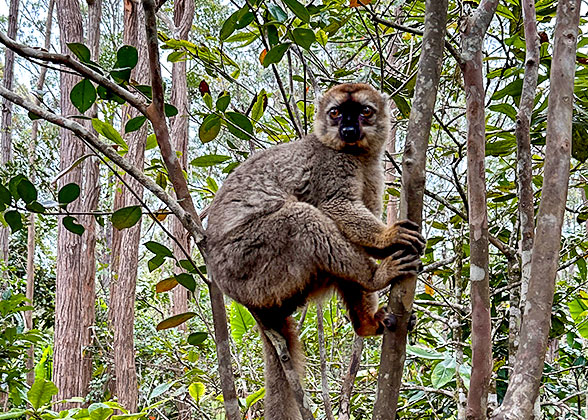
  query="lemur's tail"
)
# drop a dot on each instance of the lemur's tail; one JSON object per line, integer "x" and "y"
{"x": 280, "y": 403}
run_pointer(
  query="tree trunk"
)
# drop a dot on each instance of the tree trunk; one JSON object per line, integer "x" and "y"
{"x": 74, "y": 298}
{"x": 525, "y": 380}
{"x": 473, "y": 34}
{"x": 31, "y": 228}
{"x": 183, "y": 17}
{"x": 6, "y": 137}
{"x": 125, "y": 243}
{"x": 411, "y": 205}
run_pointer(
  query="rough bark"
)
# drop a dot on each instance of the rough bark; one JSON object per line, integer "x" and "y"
{"x": 30, "y": 293}
{"x": 411, "y": 205}
{"x": 75, "y": 254}
{"x": 522, "y": 132}
{"x": 192, "y": 221}
{"x": 525, "y": 380}
{"x": 6, "y": 136}
{"x": 90, "y": 197}
{"x": 183, "y": 17}
{"x": 473, "y": 32}
{"x": 125, "y": 243}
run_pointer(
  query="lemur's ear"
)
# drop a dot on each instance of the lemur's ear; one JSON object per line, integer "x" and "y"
{"x": 387, "y": 99}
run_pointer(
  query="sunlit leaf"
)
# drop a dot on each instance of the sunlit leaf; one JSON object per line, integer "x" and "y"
{"x": 209, "y": 128}
{"x": 443, "y": 373}
{"x": 303, "y": 37}
{"x": 196, "y": 390}
{"x": 241, "y": 321}
{"x": 41, "y": 393}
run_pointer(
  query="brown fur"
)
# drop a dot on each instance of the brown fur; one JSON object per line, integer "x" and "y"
{"x": 300, "y": 218}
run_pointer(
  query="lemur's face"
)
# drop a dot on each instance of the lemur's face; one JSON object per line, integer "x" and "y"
{"x": 353, "y": 117}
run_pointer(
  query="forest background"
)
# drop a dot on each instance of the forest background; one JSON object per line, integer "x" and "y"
{"x": 106, "y": 310}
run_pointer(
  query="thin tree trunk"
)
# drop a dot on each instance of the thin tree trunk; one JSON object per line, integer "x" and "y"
{"x": 411, "y": 205}
{"x": 91, "y": 189}
{"x": 31, "y": 228}
{"x": 183, "y": 17}
{"x": 524, "y": 383}
{"x": 125, "y": 243}
{"x": 75, "y": 254}
{"x": 6, "y": 137}
{"x": 473, "y": 33}
{"x": 524, "y": 161}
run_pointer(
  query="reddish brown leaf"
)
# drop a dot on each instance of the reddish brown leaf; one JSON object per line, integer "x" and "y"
{"x": 204, "y": 88}
{"x": 357, "y": 3}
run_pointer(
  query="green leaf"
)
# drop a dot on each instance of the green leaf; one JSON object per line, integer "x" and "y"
{"x": 145, "y": 90}
{"x": 196, "y": 390}
{"x": 506, "y": 109}
{"x": 126, "y": 217}
{"x": 5, "y": 196}
{"x": 170, "y": 110}
{"x": 26, "y": 191}
{"x": 197, "y": 338}
{"x": 241, "y": 321}
{"x": 187, "y": 281}
{"x": 223, "y": 101}
{"x": 299, "y": 10}
{"x": 127, "y": 56}
{"x": 209, "y": 160}
{"x": 109, "y": 132}
{"x": 229, "y": 26}
{"x": 259, "y": 106}
{"x": 303, "y": 37}
{"x": 207, "y": 99}
{"x": 80, "y": 51}
{"x": 161, "y": 389}
{"x": 70, "y": 223}
{"x": 209, "y": 128}
{"x": 513, "y": 89}
{"x": 255, "y": 397}
{"x": 12, "y": 414}
{"x": 99, "y": 411}
{"x": 108, "y": 95}
{"x": 424, "y": 353}
{"x": 239, "y": 125}
{"x": 277, "y": 12}
{"x": 402, "y": 105}
{"x": 158, "y": 249}
{"x": 33, "y": 116}
{"x": 151, "y": 142}
{"x": 35, "y": 207}
{"x": 322, "y": 37}
{"x": 176, "y": 56}
{"x": 443, "y": 373}
{"x": 274, "y": 55}
{"x": 135, "y": 123}
{"x": 174, "y": 321}
{"x": 41, "y": 393}
{"x": 14, "y": 220}
{"x": 68, "y": 193}
{"x": 155, "y": 262}
{"x": 502, "y": 147}
{"x": 83, "y": 95}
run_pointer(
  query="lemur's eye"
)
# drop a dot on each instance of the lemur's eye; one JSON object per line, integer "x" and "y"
{"x": 367, "y": 111}
{"x": 334, "y": 113}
